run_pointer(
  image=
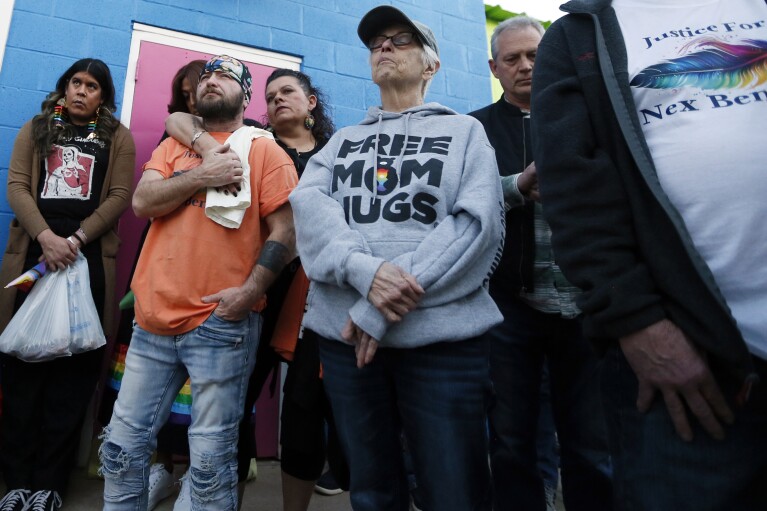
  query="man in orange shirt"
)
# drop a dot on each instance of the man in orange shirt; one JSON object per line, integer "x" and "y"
{"x": 199, "y": 286}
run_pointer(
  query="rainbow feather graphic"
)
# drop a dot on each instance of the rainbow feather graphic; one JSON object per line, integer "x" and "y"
{"x": 714, "y": 65}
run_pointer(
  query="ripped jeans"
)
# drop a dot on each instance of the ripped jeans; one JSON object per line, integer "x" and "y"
{"x": 218, "y": 356}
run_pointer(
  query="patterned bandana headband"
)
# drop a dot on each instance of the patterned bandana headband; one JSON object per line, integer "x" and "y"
{"x": 232, "y": 67}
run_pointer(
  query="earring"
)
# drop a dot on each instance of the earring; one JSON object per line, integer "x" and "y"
{"x": 58, "y": 113}
{"x": 309, "y": 121}
{"x": 93, "y": 124}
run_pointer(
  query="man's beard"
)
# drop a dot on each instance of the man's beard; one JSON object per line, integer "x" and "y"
{"x": 219, "y": 108}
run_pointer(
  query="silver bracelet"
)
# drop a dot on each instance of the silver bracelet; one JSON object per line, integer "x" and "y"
{"x": 196, "y": 135}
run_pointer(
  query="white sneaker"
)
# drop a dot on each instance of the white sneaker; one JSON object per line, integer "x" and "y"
{"x": 160, "y": 485}
{"x": 550, "y": 493}
{"x": 184, "y": 499}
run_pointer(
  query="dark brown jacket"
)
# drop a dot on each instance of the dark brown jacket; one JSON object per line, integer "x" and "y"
{"x": 23, "y": 178}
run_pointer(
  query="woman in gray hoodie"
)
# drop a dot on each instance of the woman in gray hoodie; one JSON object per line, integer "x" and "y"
{"x": 399, "y": 224}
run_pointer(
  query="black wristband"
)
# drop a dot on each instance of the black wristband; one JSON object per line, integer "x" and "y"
{"x": 274, "y": 256}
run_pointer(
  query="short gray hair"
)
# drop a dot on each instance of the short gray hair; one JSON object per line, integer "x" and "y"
{"x": 515, "y": 23}
{"x": 430, "y": 59}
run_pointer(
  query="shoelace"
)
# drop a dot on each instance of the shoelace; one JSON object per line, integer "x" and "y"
{"x": 183, "y": 493}
{"x": 154, "y": 482}
{"x": 40, "y": 500}
{"x": 12, "y": 499}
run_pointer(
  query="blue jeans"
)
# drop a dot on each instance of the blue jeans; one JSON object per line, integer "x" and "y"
{"x": 518, "y": 347}
{"x": 437, "y": 395}
{"x": 655, "y": 469}
{"x": 218, "y": 357}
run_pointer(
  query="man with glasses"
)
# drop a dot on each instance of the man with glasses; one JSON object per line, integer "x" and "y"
{"x": 399, "y": 223}
{"x": 541, "y": 326}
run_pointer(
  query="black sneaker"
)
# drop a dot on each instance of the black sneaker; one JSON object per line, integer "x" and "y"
{"x": 327, "y": 485}
{"x": 43, "y": 500}
{"x": 415, "y": 499}
{"x": 14, "y": 500}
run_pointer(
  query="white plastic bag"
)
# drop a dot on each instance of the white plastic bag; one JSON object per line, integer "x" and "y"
{"x": 57, "y": 318}
{"x": 84, "y": 325}
{"x": 40, "y": 328}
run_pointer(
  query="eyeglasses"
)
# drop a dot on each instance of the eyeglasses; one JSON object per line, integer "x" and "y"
{"x": 400, "y": 39}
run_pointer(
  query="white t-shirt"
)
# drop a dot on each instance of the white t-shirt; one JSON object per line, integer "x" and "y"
{"x": 698, "y": 71}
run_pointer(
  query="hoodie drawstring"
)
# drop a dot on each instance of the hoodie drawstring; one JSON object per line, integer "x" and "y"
{"x": 398, "y": 165}
{"x": 375, "y": 155}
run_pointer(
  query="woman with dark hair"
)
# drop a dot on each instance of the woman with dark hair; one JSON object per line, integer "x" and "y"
{"x": 183, "y": 88}
{"x": 297, "y": 116}
{"x": 44, "y": 403}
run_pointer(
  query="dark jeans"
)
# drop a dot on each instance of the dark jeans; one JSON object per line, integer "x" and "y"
{"x": 44, "y": 405}
{"x": 656, "y": 470}
{"x": 437, "y": 395}
{"x": 517, "y": 350}
{"x": 546, "y": 443}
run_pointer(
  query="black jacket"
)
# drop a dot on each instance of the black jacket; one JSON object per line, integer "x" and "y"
{"x": 508, "y": 130}
{"x": 615, "y": 232}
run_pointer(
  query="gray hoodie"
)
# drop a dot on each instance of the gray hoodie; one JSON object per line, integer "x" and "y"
{"x": 433, "y": 207}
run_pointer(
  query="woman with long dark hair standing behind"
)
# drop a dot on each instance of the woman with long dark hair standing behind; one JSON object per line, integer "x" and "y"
{"x": 298, "y": 116}
{"x": 44, "y": 403}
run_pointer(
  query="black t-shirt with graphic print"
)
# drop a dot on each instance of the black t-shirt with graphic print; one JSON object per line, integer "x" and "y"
{"x": 71, "y": 181}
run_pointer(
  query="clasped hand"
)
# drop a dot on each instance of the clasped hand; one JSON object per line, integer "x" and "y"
{"x": 58, "y": 252}
{"x": 394, "y": 292}
{"x": 221, "y": 167}
{"x": 527, "y": 183}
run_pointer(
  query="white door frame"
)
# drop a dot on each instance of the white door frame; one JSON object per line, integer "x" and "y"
{"x": 6, "y": 12}
{"x": 142, "y": 32}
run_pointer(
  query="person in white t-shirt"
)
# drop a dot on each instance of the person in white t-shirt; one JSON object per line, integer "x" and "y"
{"x": 649, "y": 143}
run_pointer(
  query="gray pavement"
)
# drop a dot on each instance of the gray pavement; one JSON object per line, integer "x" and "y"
{"x": 263, "y": 494}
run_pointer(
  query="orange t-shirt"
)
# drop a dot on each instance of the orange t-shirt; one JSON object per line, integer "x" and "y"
{"x": 187, "y": 255}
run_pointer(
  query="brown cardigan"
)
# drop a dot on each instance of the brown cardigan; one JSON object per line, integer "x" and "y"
{"x": 23, "y": 179}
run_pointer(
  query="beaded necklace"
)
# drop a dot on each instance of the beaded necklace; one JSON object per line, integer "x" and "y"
{"x": 59, "y": 113}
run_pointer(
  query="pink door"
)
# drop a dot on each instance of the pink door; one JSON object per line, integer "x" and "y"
{"x": 157, "y": 64}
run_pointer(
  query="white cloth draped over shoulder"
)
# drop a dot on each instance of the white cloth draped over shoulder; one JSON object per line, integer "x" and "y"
{"x": 226, "y": 209}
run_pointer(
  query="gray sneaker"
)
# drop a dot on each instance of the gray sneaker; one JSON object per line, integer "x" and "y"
{"x": 14, "y": 500}
{"x": 43, "y": 500}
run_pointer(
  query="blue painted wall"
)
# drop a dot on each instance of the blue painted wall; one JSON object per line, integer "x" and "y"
{"x": 46, "y": 36}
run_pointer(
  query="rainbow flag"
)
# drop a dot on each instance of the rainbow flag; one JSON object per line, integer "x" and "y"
{"x": 181, "y": 411}
{"x": 26, "y": 280}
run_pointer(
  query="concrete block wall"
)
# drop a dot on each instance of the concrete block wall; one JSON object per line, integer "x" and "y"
{"x": 46, "y": 36}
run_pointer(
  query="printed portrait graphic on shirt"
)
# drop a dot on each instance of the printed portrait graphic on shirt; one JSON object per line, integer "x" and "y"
{"x": 68, "y": 174}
